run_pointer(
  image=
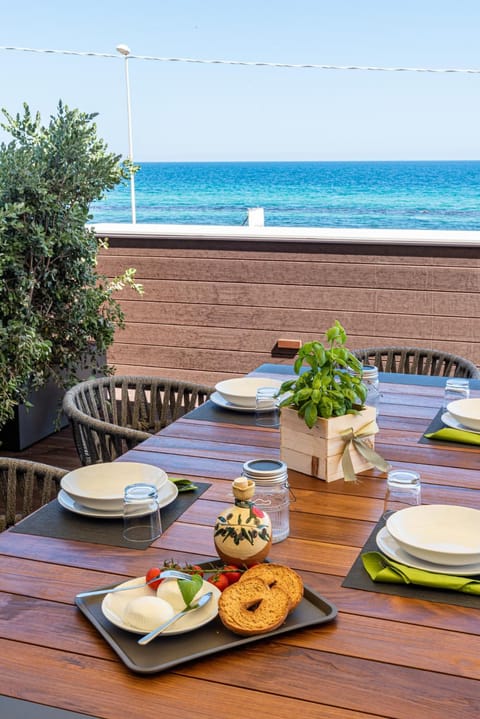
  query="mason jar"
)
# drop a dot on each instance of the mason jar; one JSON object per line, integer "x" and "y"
{"x": 371, "y": 382}
{"x": 272, "y": 492}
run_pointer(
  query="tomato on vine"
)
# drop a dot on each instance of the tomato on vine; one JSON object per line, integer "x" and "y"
{"x": 218, "y": 580}
{"x": 232, "y": 573}
{"x": 195, "y": 569}
{"x": 150, "y": 576}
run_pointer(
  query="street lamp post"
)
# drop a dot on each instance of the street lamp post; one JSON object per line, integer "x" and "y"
{"x": 125, "y": 51}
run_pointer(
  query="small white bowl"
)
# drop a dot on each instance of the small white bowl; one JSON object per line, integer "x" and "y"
{"x": 242, "y": 391}
{"x": 101, "y": 486}
{"x": 438, "y": 533}
{"x": 466, "y": 411}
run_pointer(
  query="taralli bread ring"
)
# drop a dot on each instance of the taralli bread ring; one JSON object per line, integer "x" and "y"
{"x": 278, "y": 575}
{"x": 251, "y": 607}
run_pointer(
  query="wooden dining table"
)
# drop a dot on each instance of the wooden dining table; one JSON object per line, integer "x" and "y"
{"x": 401, "y": 656}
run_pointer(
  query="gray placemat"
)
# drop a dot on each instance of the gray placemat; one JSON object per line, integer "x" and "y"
{"x": 211, "y": 412}
{"x": 396, "y": 377}
{"x": 357, "y": 578}
{"x": 11, "y": 708}
{"x": 421, "y": 380}
{"x": 434, "y": 426}
{"x": 52, "y": 520}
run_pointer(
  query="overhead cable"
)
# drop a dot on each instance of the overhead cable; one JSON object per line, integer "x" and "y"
{"x": 248, "y": 63}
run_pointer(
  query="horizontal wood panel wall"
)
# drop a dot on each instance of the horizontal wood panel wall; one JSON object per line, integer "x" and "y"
{"x": 214, "y": 309}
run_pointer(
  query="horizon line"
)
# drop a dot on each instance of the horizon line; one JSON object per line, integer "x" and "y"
{"x": 166, "y": 162}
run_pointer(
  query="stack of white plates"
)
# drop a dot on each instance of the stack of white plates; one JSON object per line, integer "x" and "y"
{"x": 437, "y": 537}
{"x": 466, "y": 413}
{"x": 239, "y": 393}
{"x": 450, "y": 421}
{"x": 97, "y": 490}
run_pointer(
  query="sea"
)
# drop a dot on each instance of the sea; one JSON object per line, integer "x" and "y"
{"x": 425, "y": 195}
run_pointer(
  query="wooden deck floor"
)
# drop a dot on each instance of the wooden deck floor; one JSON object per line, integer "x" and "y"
{"x": 57, "y": 450}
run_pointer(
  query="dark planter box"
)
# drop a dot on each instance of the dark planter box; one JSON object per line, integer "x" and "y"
{"x": 31, "y": 424}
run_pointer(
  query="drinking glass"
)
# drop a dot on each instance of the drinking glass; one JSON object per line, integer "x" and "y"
{"x": 456, "y": 388}
{"x": 267, "y": 411}
{"x": 403, "y": 490}
{"x": 141, "y": 513}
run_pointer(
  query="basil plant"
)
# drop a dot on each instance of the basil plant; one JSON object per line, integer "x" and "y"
{"x": 331, "y": 386}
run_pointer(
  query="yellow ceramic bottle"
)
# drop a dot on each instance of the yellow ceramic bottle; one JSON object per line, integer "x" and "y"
{"x": 243, "y": 533}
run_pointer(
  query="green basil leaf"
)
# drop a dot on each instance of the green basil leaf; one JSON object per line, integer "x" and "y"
{"x": 303, "y": 394}
{"x": 189, "y": 587}
{"x": 326, "y": 408}
{"x": 297, "y": 365}
{"x": 183, "y": 485}
{"x": 311, "y": 414}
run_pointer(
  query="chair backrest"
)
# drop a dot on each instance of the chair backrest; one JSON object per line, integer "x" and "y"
{"x": 111, "y": 415}
{"x": 417, "y": 360}
{"x": 24, "y": 487}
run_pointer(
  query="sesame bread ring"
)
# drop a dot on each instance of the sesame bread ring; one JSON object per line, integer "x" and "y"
{"x": 278, "y": 575}
{"x": 251, "y": 607}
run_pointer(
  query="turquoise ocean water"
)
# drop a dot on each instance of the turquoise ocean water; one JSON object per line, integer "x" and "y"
{"x": 399, "y": 195}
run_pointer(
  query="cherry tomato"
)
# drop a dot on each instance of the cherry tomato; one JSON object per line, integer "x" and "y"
{"x": 151, "y": 574}
{"x": 195, "y": 569}
{"x": 232, "y": 573}
{"x": 219, "y": 580}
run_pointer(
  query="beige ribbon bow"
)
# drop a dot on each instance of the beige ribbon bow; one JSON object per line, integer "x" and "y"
{"x": 357, "y": 440}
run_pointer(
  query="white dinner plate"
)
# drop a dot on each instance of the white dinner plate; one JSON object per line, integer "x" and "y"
{"x": 438, "y": 533}
{"x": 220, "y": 401}
{"x": 242, "y": 391}
{"x": 389, "y": 546}
{"x": 450, "y": 421}
{"x": 102, "y": 486}
{"x": 113, "y": 608}
{"x": 466, "y": 411}
{"x": 166, "y": 495}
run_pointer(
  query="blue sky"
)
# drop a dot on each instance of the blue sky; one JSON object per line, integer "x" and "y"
{"x": 214, "y": 112}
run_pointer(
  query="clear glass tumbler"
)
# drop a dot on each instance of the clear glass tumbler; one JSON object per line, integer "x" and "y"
{"x": 141, "y": 513}
{"x": 403, "y": 490}
{"x": 455, "y": 388}
{"x": 267, "y": 411}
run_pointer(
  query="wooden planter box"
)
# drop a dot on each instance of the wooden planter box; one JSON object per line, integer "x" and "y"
{"x": 318, "y": 451}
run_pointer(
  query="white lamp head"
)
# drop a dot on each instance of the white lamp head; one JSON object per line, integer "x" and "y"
{"x": 123, "y": 49}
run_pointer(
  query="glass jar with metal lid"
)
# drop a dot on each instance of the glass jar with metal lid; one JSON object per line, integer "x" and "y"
{"x": 370, "y": 380}
{"x": 271, "y": 492}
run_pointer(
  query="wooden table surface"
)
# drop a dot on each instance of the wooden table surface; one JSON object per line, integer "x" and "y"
{"x": 384, "y": 655}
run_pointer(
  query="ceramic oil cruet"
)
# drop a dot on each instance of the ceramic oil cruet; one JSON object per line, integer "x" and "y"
{"x": 243, "y": 532}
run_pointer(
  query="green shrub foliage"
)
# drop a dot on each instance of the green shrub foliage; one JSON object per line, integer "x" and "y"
{"x": 54, "y": 305}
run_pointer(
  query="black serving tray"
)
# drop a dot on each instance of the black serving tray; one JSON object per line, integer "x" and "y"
{"x": 167, "y": 652}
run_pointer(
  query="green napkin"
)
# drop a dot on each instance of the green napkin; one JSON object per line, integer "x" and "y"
{"x": 381, "y": 569}
{"x": 454, "y": 435}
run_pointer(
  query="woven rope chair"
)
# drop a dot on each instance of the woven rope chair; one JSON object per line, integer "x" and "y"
{"x": 415, "y": 360}
{"x": 24, "y": 487}
{"x": 111, "y": 415}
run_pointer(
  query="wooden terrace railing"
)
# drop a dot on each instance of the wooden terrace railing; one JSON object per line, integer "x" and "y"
{"x": 217, "y": 299}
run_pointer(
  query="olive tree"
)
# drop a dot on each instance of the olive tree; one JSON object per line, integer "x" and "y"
{"x": 56, "y": 309}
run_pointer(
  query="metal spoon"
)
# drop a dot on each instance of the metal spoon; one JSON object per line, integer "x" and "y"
{"x": 204, "y": 599}
{"x": 167, "y": 574}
